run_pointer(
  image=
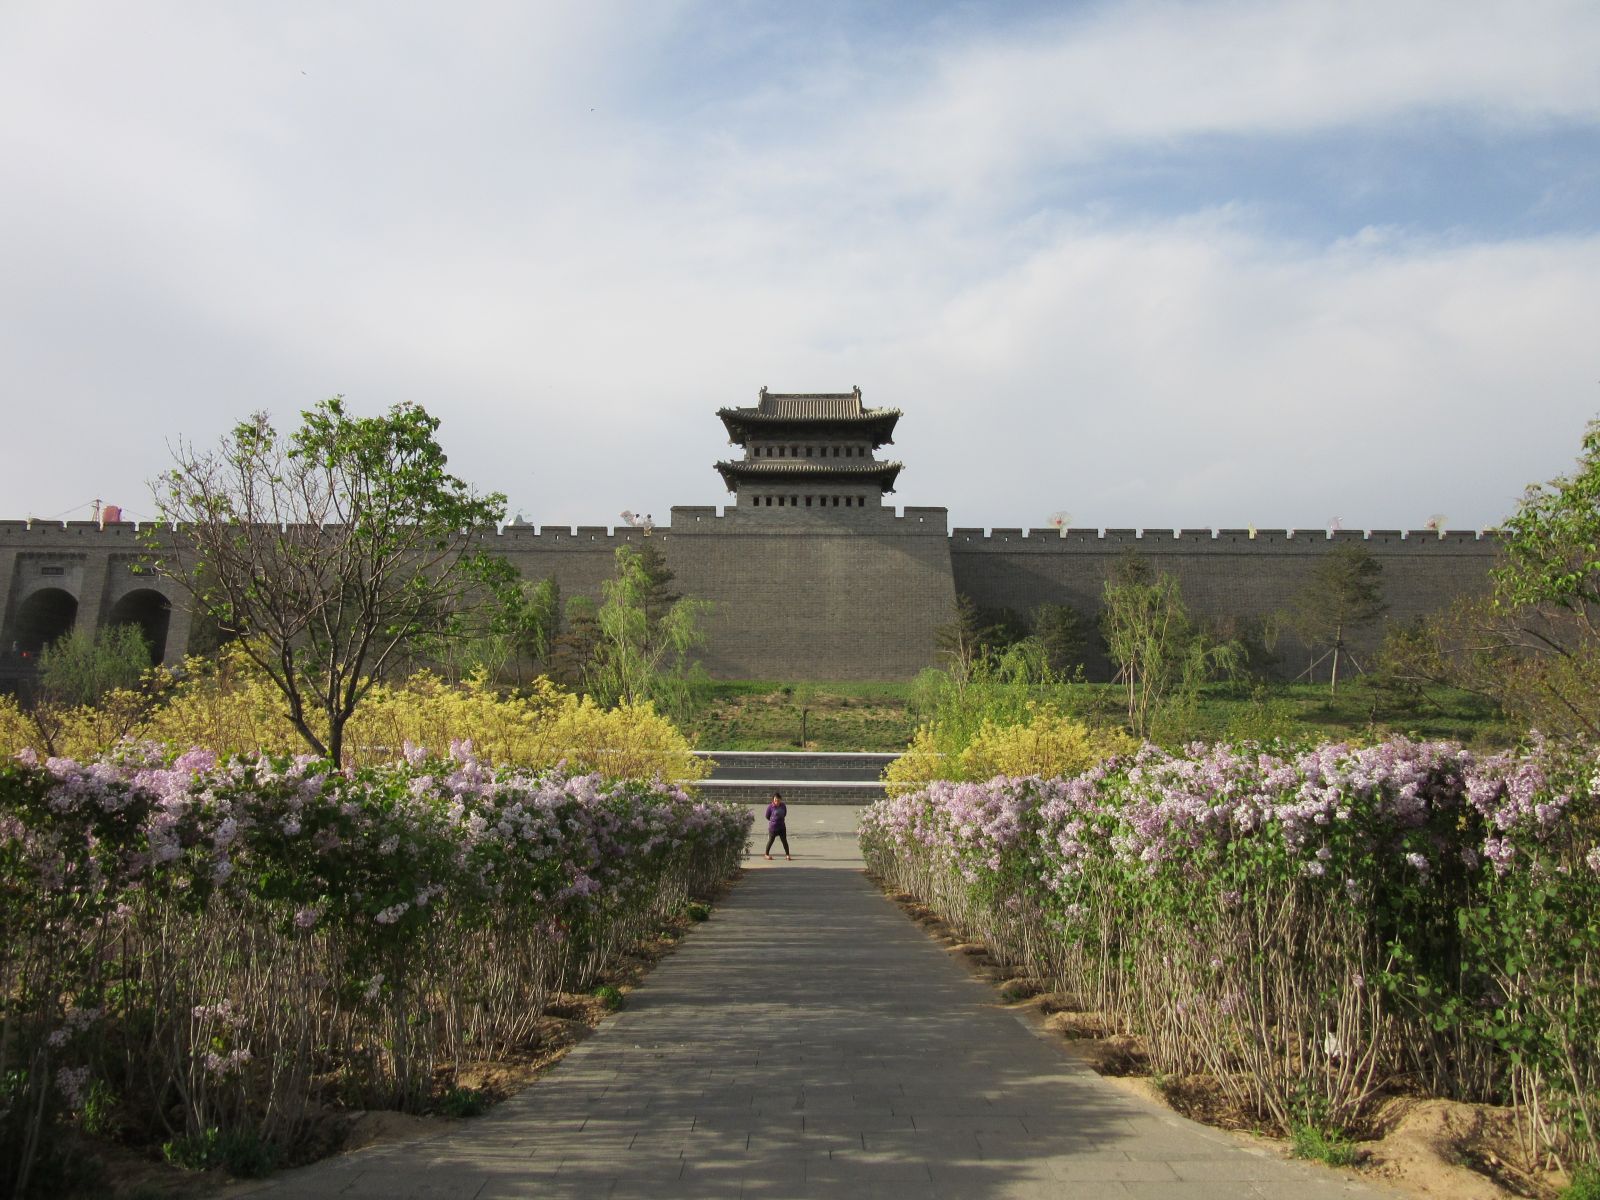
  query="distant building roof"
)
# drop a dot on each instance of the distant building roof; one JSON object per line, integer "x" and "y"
{"x": 802, "y": 471}
{"x": 810, "y": 412}
{"x": 826, "y": 405}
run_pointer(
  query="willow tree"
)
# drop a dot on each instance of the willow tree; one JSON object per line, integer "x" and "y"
{"x": 330, "y": 552}
{"x": 645, "y": 636}
{"x": 1162, "y": 655}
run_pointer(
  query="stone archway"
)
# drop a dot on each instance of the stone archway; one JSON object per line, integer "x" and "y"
{"x": 151, "y": 612}
{"x": 42, "y": 617}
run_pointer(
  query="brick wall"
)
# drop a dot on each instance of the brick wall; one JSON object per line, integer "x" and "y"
{"x": 1226, "y": 573}
{"x": 803, "y": 594}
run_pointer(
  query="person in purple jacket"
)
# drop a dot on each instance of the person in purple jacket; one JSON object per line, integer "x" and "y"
{"x": 777, "y": 831}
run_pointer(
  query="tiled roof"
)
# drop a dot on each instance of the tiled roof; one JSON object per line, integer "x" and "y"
{"x": 828, "y": 406}
{"x": 800, "y": 466}
{"x": 756, "y": 416}
{"x": 810, "y": 406}
{"x": 803, "y": 415}
{"x": 883, "y": 473}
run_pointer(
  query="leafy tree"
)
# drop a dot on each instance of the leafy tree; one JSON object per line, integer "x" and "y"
{"x": 81, "y": 667}
{"x": 655, "y": 583}
{"x": 528, "y": 620}
{"x": 91, "y": 681}
{"x": 574, "y": 649}
{"x": 1256, "y": 637}
{"x": 1552, "y": 544}
{"x": 961, "y": 642}
{"x": 334, "y": 552}
{"x": 1065, "y": 636}
{"x": 1001, "y": 628}
{"x": 1002, "y": 688}
{"x": 1161, "y": 655}
{"x": 1343, "y": 593}
{"x": 643, "y": 649}
{"x": 1532, "y": 646}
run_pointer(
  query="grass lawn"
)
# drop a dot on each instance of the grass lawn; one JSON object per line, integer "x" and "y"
{"x": 749, "y": 715}
{"x": 834, "y": 716}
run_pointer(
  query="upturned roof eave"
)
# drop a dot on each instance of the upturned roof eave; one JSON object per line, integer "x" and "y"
{"x": 883, "y": 474}
{"x": 739, "y": 421}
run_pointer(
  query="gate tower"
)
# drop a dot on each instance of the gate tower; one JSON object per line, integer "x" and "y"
{"x": 809, "y": 450}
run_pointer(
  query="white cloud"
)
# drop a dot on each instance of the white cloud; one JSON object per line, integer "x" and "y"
{"x": 432, "y": 212}
{"x": 1146, "y": 74}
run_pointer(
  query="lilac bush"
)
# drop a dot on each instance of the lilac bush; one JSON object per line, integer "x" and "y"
{"x": 227, "y": 945}
{"x": 1311, "y": 929}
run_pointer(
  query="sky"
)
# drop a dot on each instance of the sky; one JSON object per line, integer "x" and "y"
{"x": 1149, "y": 264}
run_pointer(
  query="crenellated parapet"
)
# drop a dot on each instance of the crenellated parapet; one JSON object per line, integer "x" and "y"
{"x": 802, "y": 581}
{"x": 691, "y": 521}
{"x": 1162, "y": 540}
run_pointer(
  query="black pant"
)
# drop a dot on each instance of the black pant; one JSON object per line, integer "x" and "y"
{"x": 779, "y": 835}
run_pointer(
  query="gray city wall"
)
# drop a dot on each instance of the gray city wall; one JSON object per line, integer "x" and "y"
{"x": 801, "y": 594}
{"x": 1224, "y": 574}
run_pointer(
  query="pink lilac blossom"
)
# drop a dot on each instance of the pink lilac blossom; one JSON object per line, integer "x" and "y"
{"x": 1399, "y": 800}
{"x": 72, "y": 1081}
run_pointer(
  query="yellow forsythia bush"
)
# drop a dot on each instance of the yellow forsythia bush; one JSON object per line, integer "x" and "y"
{"x": 228, "y": 704}
{"x": 75, "y": 732}
{"x": 16, "y": 731}
{"x": 225, "y": 703}
{"x": 541, "y": 728}
{"x": 1048, "y": 744}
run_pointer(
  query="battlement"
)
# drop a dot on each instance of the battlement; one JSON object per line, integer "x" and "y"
{"x": 977, "y": 540}
{"x": 513, "y": 538}
{"x": 116, "y": 533}
{"x": 693, "y": 520}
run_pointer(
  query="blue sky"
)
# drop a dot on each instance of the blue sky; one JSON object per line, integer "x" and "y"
{"x": 1154, "y": 264}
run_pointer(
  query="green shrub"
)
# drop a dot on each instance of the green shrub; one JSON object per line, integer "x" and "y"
{"x": 241, "y": 1152}
{"x": 464, "y": 1102}
{"x": 1307, "y": 1141}
{"x": 1585, "y": 1184}
{"x": 609, "y": 997}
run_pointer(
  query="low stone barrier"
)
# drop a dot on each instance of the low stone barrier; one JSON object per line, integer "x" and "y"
{"x": 759, "y": 791}
{"x": 804, "y": 777}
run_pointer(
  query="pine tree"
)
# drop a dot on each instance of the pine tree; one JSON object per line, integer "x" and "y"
{"x": 1343, "y": 594}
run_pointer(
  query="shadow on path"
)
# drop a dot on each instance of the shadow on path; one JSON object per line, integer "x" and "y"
{"x": 810, "y": 1041}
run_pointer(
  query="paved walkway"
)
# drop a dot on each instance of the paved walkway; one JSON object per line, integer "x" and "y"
{"x": 810, "y": 1041}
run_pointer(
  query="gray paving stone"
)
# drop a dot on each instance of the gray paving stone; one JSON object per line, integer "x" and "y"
{"x": 809, "y": 1041}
